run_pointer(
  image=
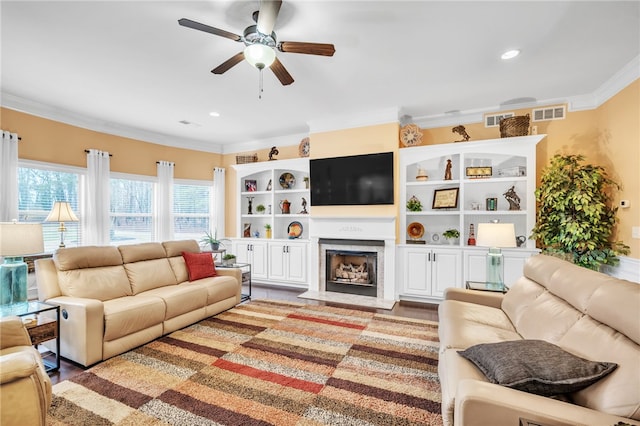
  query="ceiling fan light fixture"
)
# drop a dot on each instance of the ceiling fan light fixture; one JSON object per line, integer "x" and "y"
{"x": 259, "y": 55}
{"x": 510, "y": 54}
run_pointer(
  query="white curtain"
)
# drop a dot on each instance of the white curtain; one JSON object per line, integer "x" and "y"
{"x": 164, "y": 201}
{"x": 9, "y": 177}
{"x": 95, "y": 212}
{"x": 218, "y": 202}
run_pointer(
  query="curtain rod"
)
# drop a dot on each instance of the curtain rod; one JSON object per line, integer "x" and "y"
{"x": 158, "y": 162}
{"x": 87, "y": 151}
{"x": 11, "y": 137}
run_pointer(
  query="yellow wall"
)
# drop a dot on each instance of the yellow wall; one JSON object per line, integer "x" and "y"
{"x": 55, "y": 142}
{"x": 608, "y": 136}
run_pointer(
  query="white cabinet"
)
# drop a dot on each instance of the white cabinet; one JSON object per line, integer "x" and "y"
{"x": 253, "y": 252}
{"x": 428, "y": 271}
{"x": 460, "y": 185}
{"x": 475, "y": 263}
{"x": 288, "y": 261}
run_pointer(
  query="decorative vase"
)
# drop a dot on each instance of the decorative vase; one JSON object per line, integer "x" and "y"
{"x": 268, "y": 233}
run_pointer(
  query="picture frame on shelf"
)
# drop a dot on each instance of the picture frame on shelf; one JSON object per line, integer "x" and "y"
{"x": 250, "y": 185}
{"x": 445, "y": 198}
{"x": 479, "y": 172}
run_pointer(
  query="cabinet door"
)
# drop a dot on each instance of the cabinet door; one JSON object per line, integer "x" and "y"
{"x": 417, "y": 272}
{"x": 242, "y": 251}
{"x": 259, "y": 260}
{"x": 297, "y": 263}
{"x": 277, "y": 261}
{"x": 514, "y": 265}
{"x": 475, "y": 265}
{"x": 446, "y": 271}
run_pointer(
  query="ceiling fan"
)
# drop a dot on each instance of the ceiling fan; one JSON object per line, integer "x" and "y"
{"x": 260, "y": 43}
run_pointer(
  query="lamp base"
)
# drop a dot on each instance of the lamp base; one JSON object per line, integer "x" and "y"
{"x": 495, "y": 269}
{"x": 13, "y": 281}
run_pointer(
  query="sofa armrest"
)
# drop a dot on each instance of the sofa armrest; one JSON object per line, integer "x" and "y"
{"x": 480, "y": 403}
{"x": 487, "y": 298}
{"x": 81, "y": 328}
{"x": 232, "y": 272}
{"x": 17, "y": 365}
{"x": 13, "y": 332}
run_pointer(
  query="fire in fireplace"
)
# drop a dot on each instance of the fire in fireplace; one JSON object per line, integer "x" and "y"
{"x": 352, "y": 272}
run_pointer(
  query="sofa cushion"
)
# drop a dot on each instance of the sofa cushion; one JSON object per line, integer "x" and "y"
{"x": 150, "y": 274}
{"x": 128, "y": 315}
{"x": 67, "y": 259}
{"x": 199, "y": 265}
{"x": 100, "y": 283}
{"x": 175, "y": 248}
{"x": 536, "y": 366}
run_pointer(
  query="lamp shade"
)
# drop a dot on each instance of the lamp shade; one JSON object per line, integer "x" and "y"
{"x": 19, "y": 239}
{"x": 500, "y": 235}
{"x": 259, "y": 55}
{"x": 61, "y": 212}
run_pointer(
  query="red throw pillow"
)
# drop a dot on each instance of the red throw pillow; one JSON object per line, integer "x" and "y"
{"x": 199, "y": 265}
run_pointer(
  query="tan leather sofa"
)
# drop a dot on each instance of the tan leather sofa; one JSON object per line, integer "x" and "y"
{"x": 113, "y": 299}
{"x": 25, "y": 388}
{"x": 586, "y": 313}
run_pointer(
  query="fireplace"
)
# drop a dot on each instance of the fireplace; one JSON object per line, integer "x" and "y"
{"x": 361, "y": 243}
{"x": 351, "y": 271}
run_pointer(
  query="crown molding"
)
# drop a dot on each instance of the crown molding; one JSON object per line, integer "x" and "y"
{"x": 27, "y": 106}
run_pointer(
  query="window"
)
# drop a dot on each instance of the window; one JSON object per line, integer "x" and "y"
{"x": 192, "y": 207}
{"x": 39, "y": 186}
{"x": 131, "y": 210}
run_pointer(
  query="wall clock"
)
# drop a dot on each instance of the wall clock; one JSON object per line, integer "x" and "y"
{"x": 410, "y": 135}
{"x": 304, "y": 148}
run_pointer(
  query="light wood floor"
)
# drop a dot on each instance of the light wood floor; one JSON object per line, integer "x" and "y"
{"x": 405, "y": 309}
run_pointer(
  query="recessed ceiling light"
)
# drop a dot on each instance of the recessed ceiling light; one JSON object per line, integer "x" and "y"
{"x": 510, "y": 54}
{"x": 214, "y": 114}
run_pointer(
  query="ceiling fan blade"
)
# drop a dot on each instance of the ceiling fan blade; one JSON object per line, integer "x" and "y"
{"x": 267, "y": 15}
{"x": 228, "y": 64}
{"x": 280, "y": 71}
{"x": 208, "y": 29}
{"x": 323, "y": 49}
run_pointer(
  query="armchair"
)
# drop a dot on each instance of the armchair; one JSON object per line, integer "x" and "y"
{"x": 25, "y": 387}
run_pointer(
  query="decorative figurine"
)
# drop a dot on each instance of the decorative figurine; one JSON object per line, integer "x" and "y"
{"x": 268, "y": 186}
{"x": 304, "y": 206}
{"x": 274, "y": 151}
{"x": 447, "y": 172}
{"x": 472, "y": 236}
{"x": 512, "y": 198}
{"x": 462, "y": 132}
{"x": 250, "y": 207}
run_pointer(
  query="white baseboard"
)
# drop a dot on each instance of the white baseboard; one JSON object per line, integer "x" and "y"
{"x": 627, "y": 269}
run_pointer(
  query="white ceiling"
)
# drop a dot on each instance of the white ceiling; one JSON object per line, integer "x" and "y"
{"x": 129, "y": 68}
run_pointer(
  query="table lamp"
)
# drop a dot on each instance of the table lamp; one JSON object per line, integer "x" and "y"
{"x": 496, "y": 236}
{"x": 17, "y": 240}
{"x": 61, "y": 212}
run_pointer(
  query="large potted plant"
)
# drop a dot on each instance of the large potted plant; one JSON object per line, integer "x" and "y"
{"x": 575, "y": 217}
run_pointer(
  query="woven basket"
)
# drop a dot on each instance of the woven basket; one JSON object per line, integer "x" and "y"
{"x": 514, "y": 126}
{"x": 244, "y": 159}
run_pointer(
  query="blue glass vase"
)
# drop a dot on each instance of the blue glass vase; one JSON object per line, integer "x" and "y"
{"x": 13, "y": 281}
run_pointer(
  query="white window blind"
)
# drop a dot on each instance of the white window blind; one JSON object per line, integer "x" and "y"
{"x": 39, "y": 186}
{"x": 131, "y": 211}
{"x": 192, "y": 207}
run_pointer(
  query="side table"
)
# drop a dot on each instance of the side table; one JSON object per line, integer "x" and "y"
{"x": 484, "y": 286}
{"x": 246, "y": 277}
{"x": 43, "y": 324}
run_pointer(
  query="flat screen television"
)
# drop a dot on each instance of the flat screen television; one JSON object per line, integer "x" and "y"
{"x": 353, "y": 180}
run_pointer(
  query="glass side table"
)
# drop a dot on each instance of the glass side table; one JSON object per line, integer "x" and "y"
{"x": 246, "y": 277}
{"x": 43, "y": 324}
{"x": 484, "y": 286}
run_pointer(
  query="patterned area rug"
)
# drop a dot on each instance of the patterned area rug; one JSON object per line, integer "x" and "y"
{"x": 266, "y": 363}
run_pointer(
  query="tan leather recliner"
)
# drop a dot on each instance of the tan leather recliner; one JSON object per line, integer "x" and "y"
{"x": 25, "y": 387}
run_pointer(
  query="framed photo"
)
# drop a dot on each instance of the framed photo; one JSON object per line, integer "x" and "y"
{"x": 479, "y": 172}
{"x": 445, "y": 198}
{"x": 250, "y": 185}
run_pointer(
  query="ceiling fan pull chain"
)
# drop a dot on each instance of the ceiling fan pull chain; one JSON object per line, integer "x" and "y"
{"x": 260, "y": 89}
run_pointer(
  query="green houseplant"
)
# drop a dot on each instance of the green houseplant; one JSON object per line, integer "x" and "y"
{"x": 260, "y": 208}
{"x": 575, "y": 217}
{"x": 212, "y": 240}
{"x": 451, "y": 234}
{"x": 228, "y": 259}
{"x": 414, "y": 205}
